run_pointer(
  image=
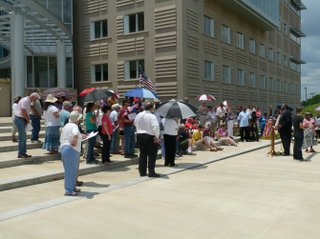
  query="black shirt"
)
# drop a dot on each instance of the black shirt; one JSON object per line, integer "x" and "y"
{"x": 297, "y": 119}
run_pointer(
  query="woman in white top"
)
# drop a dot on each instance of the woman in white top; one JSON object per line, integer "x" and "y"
{"x": 171, "y": 127}
{"x": 52, "y": 122}
{"x": 70, "y": 152}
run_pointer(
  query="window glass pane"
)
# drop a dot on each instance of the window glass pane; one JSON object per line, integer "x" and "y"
{"x": 105, "y": 72}
{"x": 97, "y": 27}
{"x": 140, "y": 21}
{"x": 55, "y": 6}
{"x": 104, "y": 28}
{"x": 69, "y": 73}
{"x": 98, "y": 73}
{"x": 133, "y": 69}
{"x": 53, "y": 72}
{"x": 41, "y": 71}
{"x": 67, "y": 11}
{"x": 132, "y": 23}
{"x": 29, "y": 72}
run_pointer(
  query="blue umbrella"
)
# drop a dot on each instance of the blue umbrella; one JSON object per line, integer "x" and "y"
{"x": 141, "y": 93}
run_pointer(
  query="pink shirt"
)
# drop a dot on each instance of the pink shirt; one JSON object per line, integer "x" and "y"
{"x": 106, "y": 119}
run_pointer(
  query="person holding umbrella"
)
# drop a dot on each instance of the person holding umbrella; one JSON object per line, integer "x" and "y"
{"x": 171, "y": 127}
{"x": 148, "y": 132}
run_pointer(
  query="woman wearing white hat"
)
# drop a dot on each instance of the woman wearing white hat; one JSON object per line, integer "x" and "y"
{"x": 52, "y": 122}
{"x": 70, "y": 152}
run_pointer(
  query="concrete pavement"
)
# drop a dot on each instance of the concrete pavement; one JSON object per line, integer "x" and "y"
{"x": 248, "y": 195}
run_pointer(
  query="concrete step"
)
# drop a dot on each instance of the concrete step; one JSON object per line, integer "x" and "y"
{"x": 47, "y": 171}
{"x": 6, "y": 146}
{"x": 9, "y": 159}
{"x": 6, "y": 136}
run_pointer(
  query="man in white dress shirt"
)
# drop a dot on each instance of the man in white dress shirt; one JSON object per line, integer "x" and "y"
{"x": 148, "y": 133}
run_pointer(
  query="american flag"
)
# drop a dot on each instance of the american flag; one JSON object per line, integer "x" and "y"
{"x": 146, "y": 82}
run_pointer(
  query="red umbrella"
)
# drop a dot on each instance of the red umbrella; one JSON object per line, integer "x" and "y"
{"x": 86, "y": 91}
{"x": 205, "y": 97}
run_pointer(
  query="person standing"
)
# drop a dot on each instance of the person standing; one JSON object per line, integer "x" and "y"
{"x": 171, "y": 127}
{"x": 70, "y": 147}
{"x": 243, "y": 119}
{"x": 114, "y": 147}
{"x": 65, "y": 113}
{"x": 284, "y": 128}
{"x": 106, "y": 133}
{"x": 148, "y": 132}
{"x": 21, "y": 120}
{"x": 309, "y": 125}
{"x": 52, "y": 122}
{"x": 14, "y": 127}
{"x": 298, "y": 127}
{"x": 35, "y": 116}
{"x": 91, "y": 126}
{"x": 202, "y": 111}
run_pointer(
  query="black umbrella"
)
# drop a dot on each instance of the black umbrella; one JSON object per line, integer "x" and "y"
{"x": 98, "y": 94}
{"x": 176, "y": 108}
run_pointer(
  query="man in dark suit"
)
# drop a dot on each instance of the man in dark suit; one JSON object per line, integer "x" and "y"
{"x": 284, "y": 128}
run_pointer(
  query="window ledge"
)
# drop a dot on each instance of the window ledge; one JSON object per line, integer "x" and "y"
{"x": 135, "y": 33}
{"x": 102, "y": 38}
{"x": 101, "y": 82}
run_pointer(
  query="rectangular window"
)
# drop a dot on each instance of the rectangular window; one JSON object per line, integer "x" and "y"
{"x": 252, "y": 46}
{"x": 131, "y": 69}
{"x": 263, "y": 82}
{"x": 133, "y": 23}
{"x": 99, "y": 73}
{"x": 271, "y": 55}
{"x": 208, "y": 26}
{"x": 98, "y": 29}
{"x": 241, "y": 77}
{"x": 285, "y": 29}
{"x": 270, "y": 83}
{"x": 285, "y": 61}
{"x": 240, "y": 40}
{"x": 262, "y": 51}
{"x": 253, "y": 80}
{"x": 226, "y": 74}
{"x": 208, "y": 70}
{"x": 226, "y": 34}
{"x": 279, "y": 58}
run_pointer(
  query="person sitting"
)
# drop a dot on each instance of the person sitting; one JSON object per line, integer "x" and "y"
{"x": 202, "y": 142}
{"x": 222, "y": 135}
{"x": 184, "y": 141}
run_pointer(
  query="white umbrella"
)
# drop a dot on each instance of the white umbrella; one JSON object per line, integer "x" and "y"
{"x": 176, "y": 108}
{"x": 205, "y": 97}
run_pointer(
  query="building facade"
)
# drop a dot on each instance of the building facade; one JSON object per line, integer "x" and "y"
{"x": 245, "y": 52}
{"x": 36, "y": 47}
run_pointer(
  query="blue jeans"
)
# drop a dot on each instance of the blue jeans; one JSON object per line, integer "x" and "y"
{"x": 35, "y": 121}
{"x": 21, "y": 126}
{"x": 91, "y": 143}
{"x": 114, "y": 147}
{"x": 129, "y": 139}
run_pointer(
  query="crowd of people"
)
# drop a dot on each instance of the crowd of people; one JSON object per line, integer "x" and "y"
{"x": 115, "y": 129}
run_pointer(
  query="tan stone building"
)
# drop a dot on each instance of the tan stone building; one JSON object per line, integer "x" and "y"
{"x": 245, "y": 51}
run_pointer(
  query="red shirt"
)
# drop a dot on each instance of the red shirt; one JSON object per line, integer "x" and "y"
{"x": 106, "y": 119}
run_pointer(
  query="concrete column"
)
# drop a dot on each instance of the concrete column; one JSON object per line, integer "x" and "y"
{"x": 61, "y": 64}
{"x": 17, "y": 56}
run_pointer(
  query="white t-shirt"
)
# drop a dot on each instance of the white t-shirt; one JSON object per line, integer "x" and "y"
{"x": 67, "y": 133}
{"x": 24, "y": 103}
{"x": 170, "y": 127}
{"x": 14, "y": 108}
{"x": 49, "y": 117}
{"x": 114, "y": 116}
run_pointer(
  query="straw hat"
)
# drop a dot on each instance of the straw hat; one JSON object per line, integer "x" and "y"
{"x": 51, "y": 99}
{"x": 74, "y": 116}
{"x": 115, "y": 106}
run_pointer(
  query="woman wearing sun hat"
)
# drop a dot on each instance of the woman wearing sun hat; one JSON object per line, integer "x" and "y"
{"x": 70, "y": 152}
{"x": 52, "y": 122}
